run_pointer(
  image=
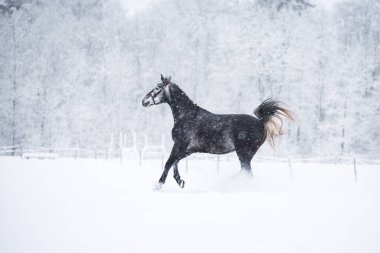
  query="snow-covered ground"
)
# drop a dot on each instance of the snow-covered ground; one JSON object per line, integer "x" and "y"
{"x": 96, "y": 206}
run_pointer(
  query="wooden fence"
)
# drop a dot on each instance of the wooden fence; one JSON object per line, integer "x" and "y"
{"x": 129, "y": 150}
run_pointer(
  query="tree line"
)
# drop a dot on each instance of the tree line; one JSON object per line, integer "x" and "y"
{"x": 74, "y": 72}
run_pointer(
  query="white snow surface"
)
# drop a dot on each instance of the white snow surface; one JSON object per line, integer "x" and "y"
{"x": 84, "y": 205}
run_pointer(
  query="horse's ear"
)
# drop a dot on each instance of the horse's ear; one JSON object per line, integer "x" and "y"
{"x": 162, "y": 78}
{"x": 170, "y": 77}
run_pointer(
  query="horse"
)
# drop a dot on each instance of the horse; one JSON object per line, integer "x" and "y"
{"x": 197, "y": 130}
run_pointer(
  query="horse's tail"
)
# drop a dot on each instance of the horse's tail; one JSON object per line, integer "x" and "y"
{"x": 269, "y": 113}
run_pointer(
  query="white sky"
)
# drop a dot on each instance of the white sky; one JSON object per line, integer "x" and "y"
{"x": 328, "y": 3}
{"x": 136, "y": 5}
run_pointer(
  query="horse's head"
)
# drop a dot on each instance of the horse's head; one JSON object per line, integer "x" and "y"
{"x": 159, "y": 95}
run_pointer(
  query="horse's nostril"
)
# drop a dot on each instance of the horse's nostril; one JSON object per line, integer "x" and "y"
{"x": 145, "y": 103}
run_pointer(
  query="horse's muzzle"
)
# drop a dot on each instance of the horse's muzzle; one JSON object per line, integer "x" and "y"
{"x": 146, "y": 102}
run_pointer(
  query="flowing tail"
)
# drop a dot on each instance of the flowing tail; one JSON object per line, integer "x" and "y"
{"x": 270, "y": 112}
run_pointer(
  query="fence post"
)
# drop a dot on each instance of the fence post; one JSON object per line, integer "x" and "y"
{"x": 163, "y": 143}
{"x": 121, "y": 154}
{"x": 124, "y": 140}
{"x": 111, "y": 144}
{"x": 162, "y": 160}
{"x": 77, "y": 151}
{"x": 187, "y": 166}
{"x": 355, "y": 171}
{"x": 217, "y": 164}
{"x": 21, "y": 148}
{"x": 290, "y": 165}
{"x": 134, "y": 140}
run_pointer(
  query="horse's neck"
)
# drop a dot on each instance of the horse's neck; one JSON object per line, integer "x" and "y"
{"x": 181, "y": 105}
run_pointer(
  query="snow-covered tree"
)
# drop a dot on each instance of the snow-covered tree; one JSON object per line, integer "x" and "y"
{"x": 74, "y": 72}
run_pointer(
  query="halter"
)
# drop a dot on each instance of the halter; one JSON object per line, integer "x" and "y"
{"x": 155, "y": 95}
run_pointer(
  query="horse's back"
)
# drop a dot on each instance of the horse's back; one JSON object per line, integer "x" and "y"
{"x": 231, "y": 122}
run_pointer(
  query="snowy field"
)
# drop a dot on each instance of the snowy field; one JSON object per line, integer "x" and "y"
{"x": 65, "y": 206}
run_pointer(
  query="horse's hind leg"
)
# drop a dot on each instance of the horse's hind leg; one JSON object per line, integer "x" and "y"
{"x": 245, "y": 156}
{"x": 177, "y": 177}
{"x": 246, "y": 167}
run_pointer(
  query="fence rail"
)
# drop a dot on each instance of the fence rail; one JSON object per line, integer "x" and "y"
{"x": 159, "y": 152}
{"x": 127, "y": 148}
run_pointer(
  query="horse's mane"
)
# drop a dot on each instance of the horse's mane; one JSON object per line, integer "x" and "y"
{"x": 178, "y": 95}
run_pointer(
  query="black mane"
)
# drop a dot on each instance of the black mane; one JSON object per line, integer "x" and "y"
{"x": 180, "y": 104}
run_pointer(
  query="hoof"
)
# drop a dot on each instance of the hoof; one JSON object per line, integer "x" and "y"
{"x": 181, "y": 183}
{"x": 247, "y": 173}
{"x": 158, "y": 186}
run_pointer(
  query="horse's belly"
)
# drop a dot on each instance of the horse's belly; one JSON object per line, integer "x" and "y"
{"x": 214, "y": 144}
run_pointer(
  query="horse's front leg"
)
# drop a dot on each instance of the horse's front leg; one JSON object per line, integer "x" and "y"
{"x": 177, "y": 154}
{"x": 169, "y": 163}
{"x": 177, "y": 177}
